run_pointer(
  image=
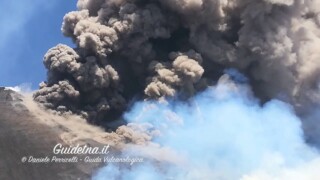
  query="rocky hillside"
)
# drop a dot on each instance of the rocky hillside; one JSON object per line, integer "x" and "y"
{"x": 21, "y": 136}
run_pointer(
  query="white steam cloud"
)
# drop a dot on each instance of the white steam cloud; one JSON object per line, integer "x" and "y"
{"x": 223, "y": 133}
{"x": 22, "y": 88}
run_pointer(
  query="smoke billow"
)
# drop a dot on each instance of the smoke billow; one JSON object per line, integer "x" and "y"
{"x": 172, "y": 53}
{"x": 222, "y": 133}
{"x": 154, "y": 49}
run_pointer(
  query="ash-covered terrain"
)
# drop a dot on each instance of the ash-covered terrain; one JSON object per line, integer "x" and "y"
{"x": 23, "y": 133}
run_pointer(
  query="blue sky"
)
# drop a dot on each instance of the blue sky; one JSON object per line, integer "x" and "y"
{"x": 28, "y": 28}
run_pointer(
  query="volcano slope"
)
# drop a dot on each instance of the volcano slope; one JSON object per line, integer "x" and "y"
{"x": 22, "y": 135}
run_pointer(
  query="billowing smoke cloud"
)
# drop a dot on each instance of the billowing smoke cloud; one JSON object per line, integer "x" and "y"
{"x": 222, "y": 133}
{"x": 169, "y": 51}
{"x": 153, "y": 49}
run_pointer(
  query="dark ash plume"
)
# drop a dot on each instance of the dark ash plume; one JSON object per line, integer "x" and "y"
{"x": 155, "y": 49}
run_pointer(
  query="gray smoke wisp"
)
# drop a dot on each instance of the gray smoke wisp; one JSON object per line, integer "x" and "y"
{"x": 171, "y": 53}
